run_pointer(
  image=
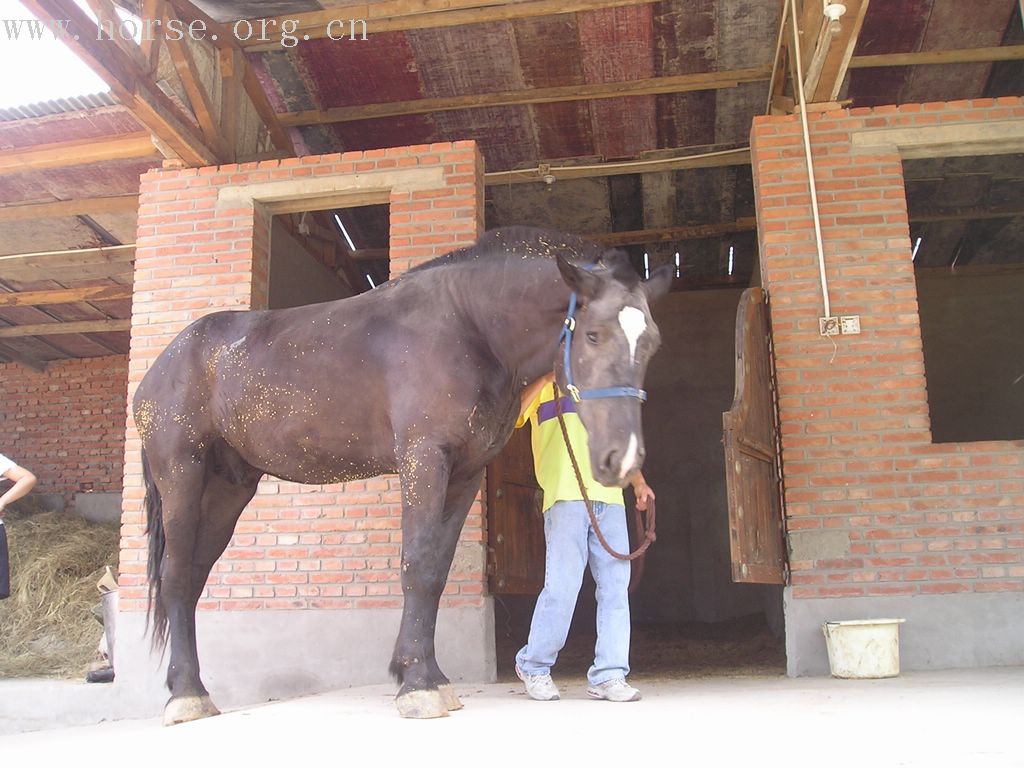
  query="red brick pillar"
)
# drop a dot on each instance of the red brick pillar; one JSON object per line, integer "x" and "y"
{"x": 203, "y": 245}
{"x": 879, "y": 518}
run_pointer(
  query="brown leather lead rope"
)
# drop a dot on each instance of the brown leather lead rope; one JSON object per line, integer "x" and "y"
{"x": 648, "y": 530}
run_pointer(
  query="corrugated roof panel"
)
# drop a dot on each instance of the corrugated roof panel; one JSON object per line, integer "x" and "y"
{"x": 57, "y": 106}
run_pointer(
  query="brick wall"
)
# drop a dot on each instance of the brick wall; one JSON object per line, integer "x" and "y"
{"x": 201, "y": 250}
{"x": 873, "y": 508}
{"x": 66, "y": 424}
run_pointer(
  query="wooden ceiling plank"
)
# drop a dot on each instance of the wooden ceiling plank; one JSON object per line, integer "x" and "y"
{"x": 64, "y": 154}
{"x": 65, "y": 296}
{"x": 90, "y": 206}
{"x": 55, "y": 329}
{"x": 75, "y": 257}
{"x": 128, "y": 81}
{"x": 423, "y": 14}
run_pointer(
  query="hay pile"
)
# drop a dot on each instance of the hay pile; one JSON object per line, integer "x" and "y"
{"x": 47, "y": 626}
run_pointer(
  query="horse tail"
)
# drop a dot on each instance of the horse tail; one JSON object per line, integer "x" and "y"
{"x": 156, "y": 616}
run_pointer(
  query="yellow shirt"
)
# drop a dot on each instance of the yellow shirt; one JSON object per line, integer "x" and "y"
{"x": 550, "y": 458}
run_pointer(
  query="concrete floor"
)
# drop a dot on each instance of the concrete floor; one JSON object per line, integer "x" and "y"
{"x": 956, "y": 718}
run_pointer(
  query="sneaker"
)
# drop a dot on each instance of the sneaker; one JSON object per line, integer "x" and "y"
{"x": 614, "y": 690}
{"x": 538, "y": 687}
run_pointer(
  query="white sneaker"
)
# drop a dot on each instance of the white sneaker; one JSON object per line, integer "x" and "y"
{"x": 614, "y": 690}
{"x": 538, "y": 687}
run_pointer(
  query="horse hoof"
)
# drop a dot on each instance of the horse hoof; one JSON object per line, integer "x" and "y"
{"x": 421, "y": 705}
{"x": 450, "y": 698}
{"x": 188, "y": 708}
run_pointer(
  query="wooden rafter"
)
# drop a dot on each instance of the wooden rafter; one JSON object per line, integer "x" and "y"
{"x": 695, "y": 157}
{"x": 78, "y": 263}
{"x": 55, "y": 329}
{"x": 237, "y": 66}
{"x": 188, "y": 74}
{"x": 91, "y": 206}
{"x": 655, "y": 85}
{"x": 128, "y": 81}
{"x": 401, "y": 15}
{"x": 65, "y": 296}
{"x": 78, "y": 152}
{"x": 952, "y": 56}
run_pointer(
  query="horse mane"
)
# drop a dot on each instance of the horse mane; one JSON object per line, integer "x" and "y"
{"x": 535, "y": 243}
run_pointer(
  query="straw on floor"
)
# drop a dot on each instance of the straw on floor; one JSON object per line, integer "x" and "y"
{"x": 47, "y": 626}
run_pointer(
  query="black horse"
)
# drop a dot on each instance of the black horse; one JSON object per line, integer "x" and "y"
{"x": 422, "y": 377}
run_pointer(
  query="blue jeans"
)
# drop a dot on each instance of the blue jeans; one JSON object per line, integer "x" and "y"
{"x": 571, "y": 545}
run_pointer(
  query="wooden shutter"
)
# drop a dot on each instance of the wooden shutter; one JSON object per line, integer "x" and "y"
{"x": 515, "y": 522}
{"x": 752, "y": 467}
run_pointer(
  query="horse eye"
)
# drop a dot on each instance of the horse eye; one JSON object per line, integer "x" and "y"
{"x": 592, "y": 337}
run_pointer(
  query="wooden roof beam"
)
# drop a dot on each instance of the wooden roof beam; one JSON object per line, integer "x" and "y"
{"x": 58, "y": 209}
{"x": 673, "y": 234}
{"x": 65, "y": 154}
{"x": 236, "y": 70}
{"x": 60, "y": 329}
{"x": 673, "y": 84}
{"x": 128, "y": 81}
{"x": 76, "y": 264}
{"x": 65, "y": 296}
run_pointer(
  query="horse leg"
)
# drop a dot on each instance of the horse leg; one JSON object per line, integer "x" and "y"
{"x": 224, "y": 496}
{"x": 457, "y": 505}
{"x": 426, "y": 557}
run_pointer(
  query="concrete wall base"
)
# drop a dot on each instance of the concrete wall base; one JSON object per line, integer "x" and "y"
{"x": 941, "y": 632}
{"x": 250, "y": 657}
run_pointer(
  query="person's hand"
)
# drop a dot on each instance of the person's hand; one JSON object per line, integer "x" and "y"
{"x": 2, "y": 505}
{"x": 643, "y": 492}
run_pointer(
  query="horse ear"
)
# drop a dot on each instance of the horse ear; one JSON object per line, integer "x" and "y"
{"x": 584, "y": 282}
{"x": 659, "y": 283}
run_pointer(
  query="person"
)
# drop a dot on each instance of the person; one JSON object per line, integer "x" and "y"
{"x": 23, "y": 482}
{"x": 571, "y": 544}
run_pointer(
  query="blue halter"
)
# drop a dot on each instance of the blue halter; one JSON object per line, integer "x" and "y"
{"x": 590, "y": 394}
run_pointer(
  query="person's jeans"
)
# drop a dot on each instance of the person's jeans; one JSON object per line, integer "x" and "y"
{"x": 571, "y": 545}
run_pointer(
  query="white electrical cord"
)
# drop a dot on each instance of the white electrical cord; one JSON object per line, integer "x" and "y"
{"x": 810, "y": 163}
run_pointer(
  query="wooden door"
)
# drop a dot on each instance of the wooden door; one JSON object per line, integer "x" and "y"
{"x": 752, "y": 467}
{"x": 515, "y": 521}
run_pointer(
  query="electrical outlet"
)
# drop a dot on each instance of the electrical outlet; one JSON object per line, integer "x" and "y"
{"x": 829, "y": 326}
{"x": 850, "y": 324}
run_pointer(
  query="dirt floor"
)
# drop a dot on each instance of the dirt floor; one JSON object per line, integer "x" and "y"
{"x": 740, "y": 648}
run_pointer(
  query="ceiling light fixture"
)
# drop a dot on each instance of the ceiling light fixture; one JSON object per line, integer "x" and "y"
{"x": 833, "y": 12}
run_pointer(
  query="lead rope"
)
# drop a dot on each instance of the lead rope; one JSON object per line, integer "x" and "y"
{"x": 647, "y": 530}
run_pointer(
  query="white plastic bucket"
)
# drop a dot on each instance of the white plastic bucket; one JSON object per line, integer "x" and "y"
{"x": 863, "y": 648}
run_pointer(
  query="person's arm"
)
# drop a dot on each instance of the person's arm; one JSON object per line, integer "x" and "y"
{"x": 643, "y": 492}
{"x": 23, "y": 482}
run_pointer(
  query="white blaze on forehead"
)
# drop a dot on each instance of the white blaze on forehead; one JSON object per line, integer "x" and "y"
{"x": 630, "y": 457}
{"x": 633, "y": 325}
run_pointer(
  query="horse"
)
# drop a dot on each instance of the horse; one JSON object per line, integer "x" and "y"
{"x": 421, "y": 377}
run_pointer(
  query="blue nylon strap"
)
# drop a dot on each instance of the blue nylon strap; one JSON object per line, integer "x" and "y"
{"x": 591, "y": 394}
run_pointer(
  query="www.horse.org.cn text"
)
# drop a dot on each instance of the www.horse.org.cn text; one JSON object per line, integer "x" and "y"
{"x": 284, "y": 32}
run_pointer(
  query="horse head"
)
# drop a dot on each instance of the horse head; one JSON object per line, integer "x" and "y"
{"x": 608, "y": 341}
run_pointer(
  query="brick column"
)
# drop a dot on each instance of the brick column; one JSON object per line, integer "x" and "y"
{"x": 879, "y": 518}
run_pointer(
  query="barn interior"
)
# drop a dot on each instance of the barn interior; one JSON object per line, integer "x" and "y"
{"x": 627, "y": 122}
